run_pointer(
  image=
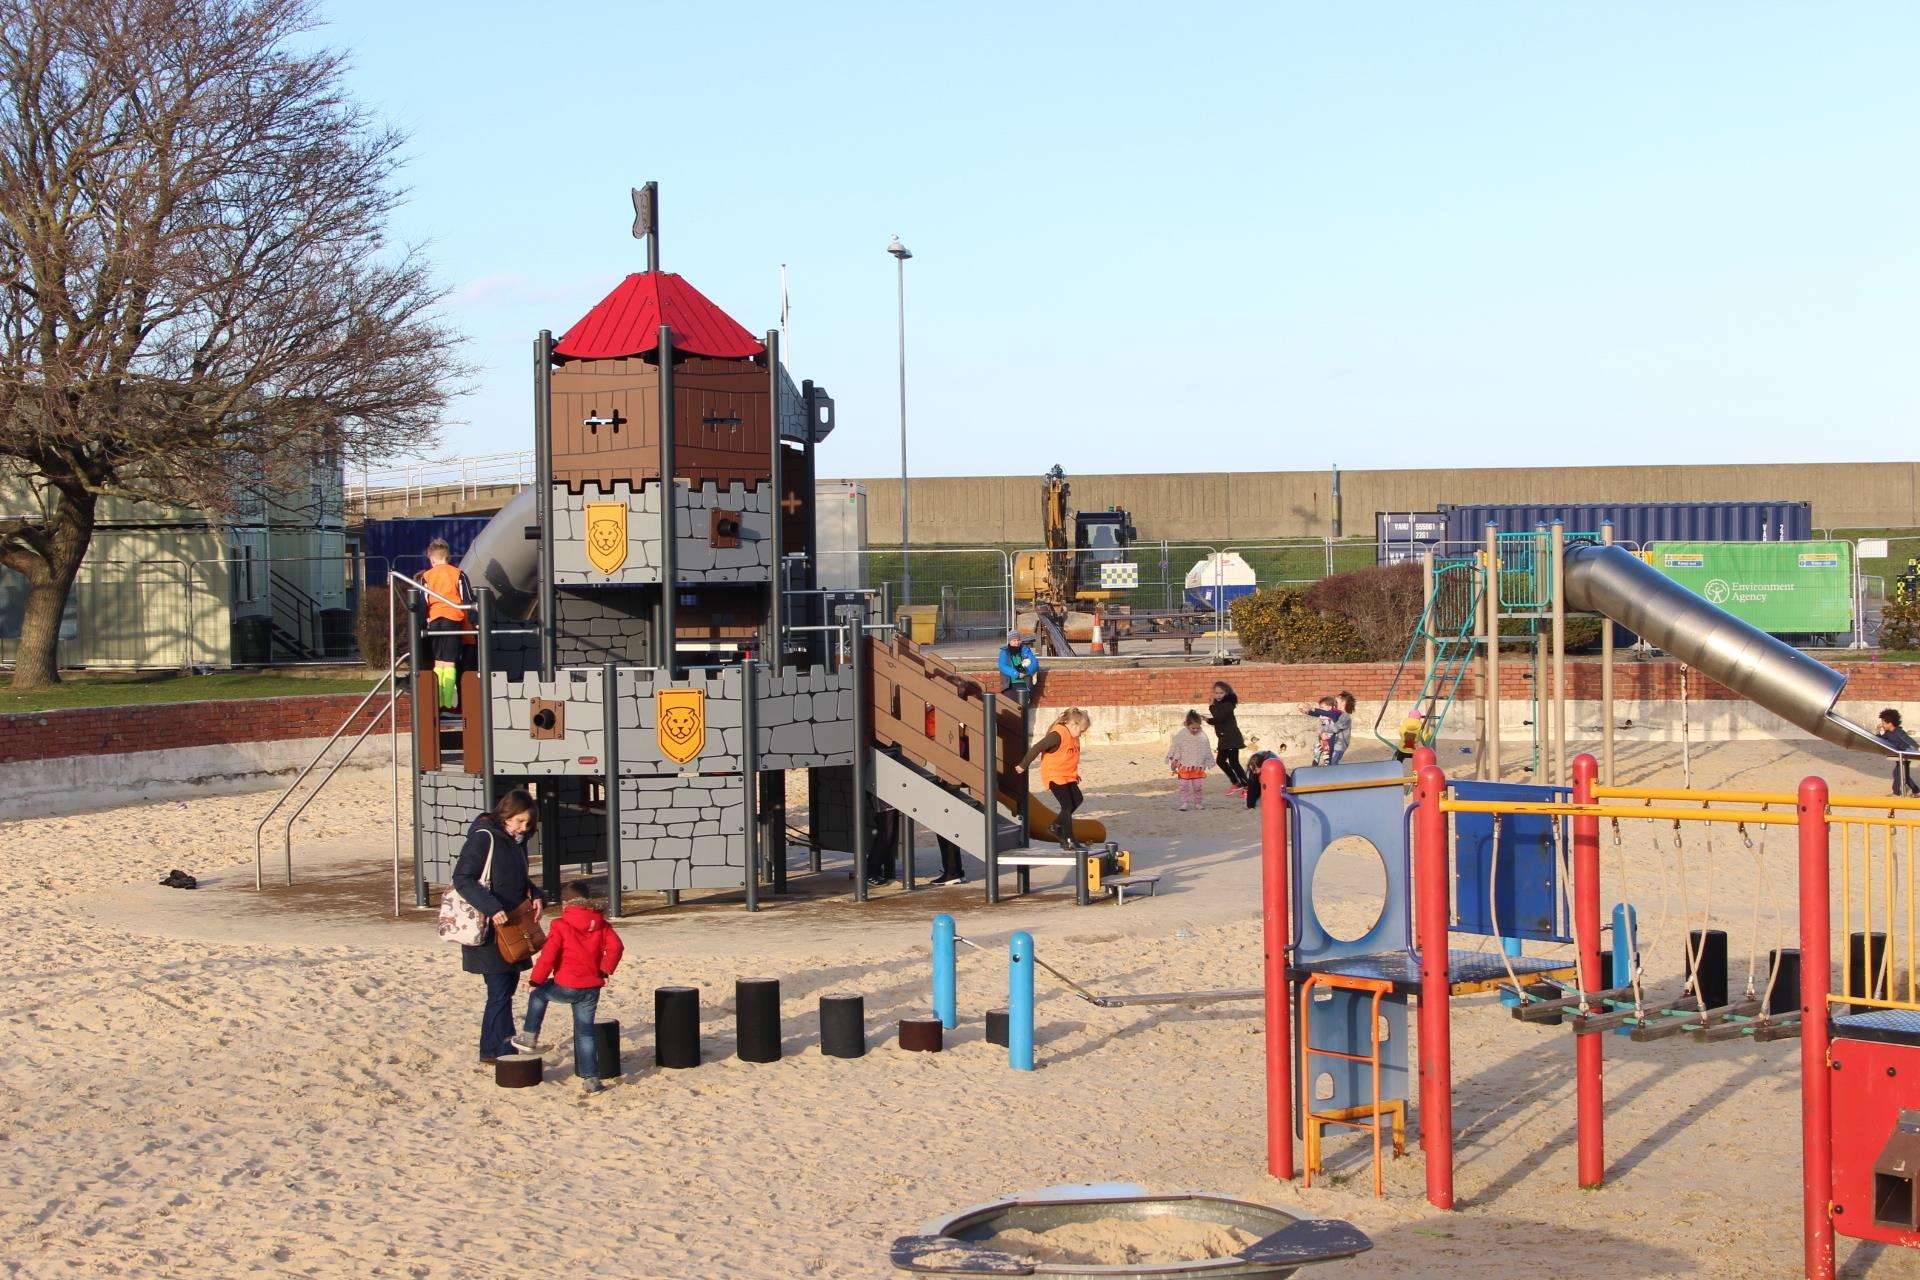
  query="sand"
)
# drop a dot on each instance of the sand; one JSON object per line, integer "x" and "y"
{"x": 219, "y": 1083}
{"x": 1114, "y": 1242}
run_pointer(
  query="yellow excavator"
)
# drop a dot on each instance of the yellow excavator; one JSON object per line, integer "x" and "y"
{"x": 1056, "y": 591}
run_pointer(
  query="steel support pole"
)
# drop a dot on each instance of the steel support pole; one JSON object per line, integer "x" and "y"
{"x": 750, "y": 781}
{"x": 668, "y": 648}
{"x": 1275, "y": 927}
{"x": 1492, "y": 691}
{"x": 1606, "y": 679}
{"x": 1557, "y": 546}
{"x": 1426, "y": 595}
{"x": 862, "y": 749}
{"x": 989, "y": 798}
{"x": 483, "y": 662}
{"x": 543, "y": 496}
{"x": 610, "y": 757}
{"x": 431, "y": 725}
{"x": 909, "y": 836}
{"x": 1816, "y": 1081}
{"x": 906, "y": 570}
{"x": 1591, "y": 1102}
{"x": 1025, "y": 816}
{"x": 1430, "y": 880}
{"x": 776, "y": 604}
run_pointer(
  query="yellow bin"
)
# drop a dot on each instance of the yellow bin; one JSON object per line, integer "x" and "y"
{"x": 918, "y": 622}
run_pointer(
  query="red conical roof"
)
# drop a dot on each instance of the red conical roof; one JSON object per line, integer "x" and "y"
{"x": 627, "y": 323}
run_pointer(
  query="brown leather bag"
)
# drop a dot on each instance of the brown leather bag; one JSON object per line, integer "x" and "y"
{"x": 521, "y": 935}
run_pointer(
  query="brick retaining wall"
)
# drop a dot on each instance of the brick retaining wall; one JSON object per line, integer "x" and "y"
{"x": 98, "y": 731}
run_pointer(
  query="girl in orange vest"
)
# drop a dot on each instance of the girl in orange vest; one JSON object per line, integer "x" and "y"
{"x": 1059, "y": 756}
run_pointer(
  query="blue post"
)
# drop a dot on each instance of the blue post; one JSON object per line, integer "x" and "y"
{"x": 943, "y": 1007}
{"x": 1020, "y": 1001}
{"x": 1510, "y": 946}
{"x": 1626, "y": 945}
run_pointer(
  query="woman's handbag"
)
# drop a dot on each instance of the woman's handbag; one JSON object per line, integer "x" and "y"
{"x": 462, "y": 923}
{"x": 521, "y": 935}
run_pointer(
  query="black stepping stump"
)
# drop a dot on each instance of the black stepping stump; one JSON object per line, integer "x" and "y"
{"x": 1866, "y": 952}
{"x": 997, "y": 1027}
{"x": 1786, "y": 986}
{"x": 676, "y": 1027}
{"x": 1707, "y": 953}
{"x": 756, "y": 1006}
{"x": 843, "y": 1025}
{"x": 921, "y": 1035}
{"x": 606, "y": 1043}
{"x": 518, "y": 1070}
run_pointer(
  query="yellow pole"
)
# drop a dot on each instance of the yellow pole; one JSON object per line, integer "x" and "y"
{"x": 1491, "y": 690}
{"x": 1557, "y": 550}
{"x": 1606, "y": 679}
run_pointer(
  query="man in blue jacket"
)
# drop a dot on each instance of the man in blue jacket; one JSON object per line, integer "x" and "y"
{"x": 1018, "y": 667}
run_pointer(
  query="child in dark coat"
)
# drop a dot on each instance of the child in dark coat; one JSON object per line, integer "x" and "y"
{"x": 582, "y": 950}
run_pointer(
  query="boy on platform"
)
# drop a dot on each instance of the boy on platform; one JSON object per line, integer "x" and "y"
{"x": 582, "y": 951}
{"x": 448, "y": 624}
{"x": 1188, "y": 756}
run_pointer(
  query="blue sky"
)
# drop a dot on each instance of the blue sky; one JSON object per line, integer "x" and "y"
{"x": 1204, "y": 237}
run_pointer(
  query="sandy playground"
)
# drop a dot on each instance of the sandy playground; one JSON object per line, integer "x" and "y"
{"x": 221, "y": 1083}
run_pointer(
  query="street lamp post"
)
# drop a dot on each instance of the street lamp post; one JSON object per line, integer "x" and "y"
{"x": 900, "y": 254}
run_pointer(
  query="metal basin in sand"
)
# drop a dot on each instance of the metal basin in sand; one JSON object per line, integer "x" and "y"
{"x": 953, "y": 1246}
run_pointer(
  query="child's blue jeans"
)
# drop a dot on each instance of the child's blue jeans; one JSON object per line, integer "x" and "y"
{"x": 586, "y": 1003}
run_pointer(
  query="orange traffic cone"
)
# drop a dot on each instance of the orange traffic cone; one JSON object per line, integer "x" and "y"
{"x": 1098, "y": 646}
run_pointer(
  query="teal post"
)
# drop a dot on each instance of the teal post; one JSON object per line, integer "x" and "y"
{"x": 943, "y": 1006}
{"x": 1020, "y": 1001}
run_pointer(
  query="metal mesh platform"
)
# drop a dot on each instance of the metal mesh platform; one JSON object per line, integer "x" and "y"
{"x": 1895, "y": 1026}
{"x": 1466, "y": 970}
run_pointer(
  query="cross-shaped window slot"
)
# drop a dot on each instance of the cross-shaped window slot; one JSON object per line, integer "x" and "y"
{"x": 593, "y": 421}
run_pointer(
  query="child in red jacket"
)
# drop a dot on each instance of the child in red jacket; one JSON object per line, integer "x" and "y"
{"x": 581, "y": 950}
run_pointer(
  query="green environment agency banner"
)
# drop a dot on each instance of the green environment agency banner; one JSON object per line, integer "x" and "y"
{"x": 1787, "y": 588}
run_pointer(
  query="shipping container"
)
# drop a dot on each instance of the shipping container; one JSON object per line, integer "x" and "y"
{"x": 1639, "y": 523}
{"x": 1406, "y": 535}
{"x": 402, "y": 543}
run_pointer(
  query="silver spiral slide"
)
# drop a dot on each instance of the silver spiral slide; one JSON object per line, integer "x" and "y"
{"x": 1617, "y": 584}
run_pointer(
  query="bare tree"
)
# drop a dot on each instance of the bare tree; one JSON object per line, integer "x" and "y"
{"x": 197, "y": 294}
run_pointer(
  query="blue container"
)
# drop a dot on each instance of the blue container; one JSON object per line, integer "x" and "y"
{"x": 401, "y": 544}
{"x": 1636, "y": 522}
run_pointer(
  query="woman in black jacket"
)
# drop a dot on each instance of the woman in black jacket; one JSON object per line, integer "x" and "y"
{"x": 501, "y": 832}
{"x": 1227, "y": 740}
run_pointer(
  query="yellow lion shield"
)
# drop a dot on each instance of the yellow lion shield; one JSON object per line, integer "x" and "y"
{"x": 682, "y": 718}
{"x": 607, "y": 535}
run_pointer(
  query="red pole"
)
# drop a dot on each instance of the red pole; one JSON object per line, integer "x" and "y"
{"x": 1276, "y": 925}
{"x": 1816, "y": 976}
{"x": 1591, "y": 1098}
{"x": 1436, "y": 1053}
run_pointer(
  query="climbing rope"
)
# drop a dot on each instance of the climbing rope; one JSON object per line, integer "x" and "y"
{"x": 1493, "y": 913}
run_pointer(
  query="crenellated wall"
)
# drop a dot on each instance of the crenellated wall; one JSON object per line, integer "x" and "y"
{"x": 699, "y": 559}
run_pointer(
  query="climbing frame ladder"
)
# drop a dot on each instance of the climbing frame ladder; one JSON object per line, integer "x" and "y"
{"x": 1368, "y": 1117}
{"x": 1450, "y": 620}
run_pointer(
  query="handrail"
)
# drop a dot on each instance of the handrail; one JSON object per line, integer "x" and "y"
{"x": 1569, "y": 810}
{"x": 1752, "y": 797}
{"x": 260, "y": 826}
{"x": 393, "y": 700}
{"x": 424, "y": 589}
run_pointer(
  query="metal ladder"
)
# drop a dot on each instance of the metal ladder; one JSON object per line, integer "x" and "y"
{"x": 1377, "y": 1111}
{"x": 1451, "y": 621}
